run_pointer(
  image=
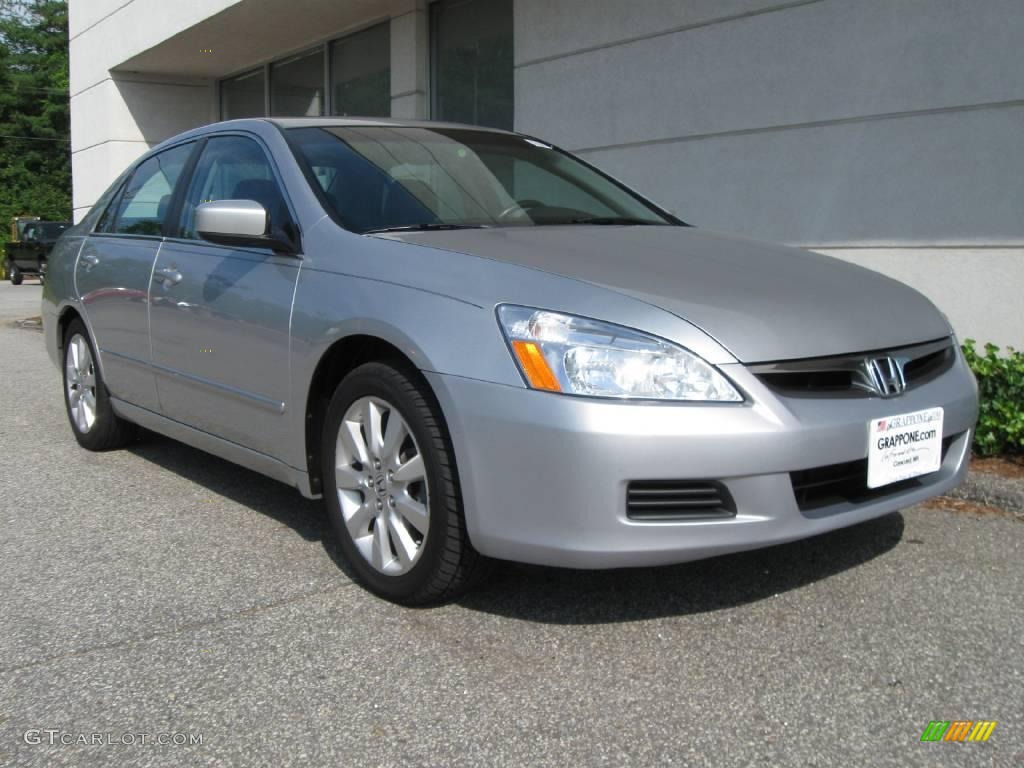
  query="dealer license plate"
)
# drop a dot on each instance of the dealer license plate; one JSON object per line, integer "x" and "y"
{"x": 904, "y": 446}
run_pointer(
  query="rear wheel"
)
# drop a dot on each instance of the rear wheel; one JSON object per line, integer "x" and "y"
{"x": 92, "y": 418}
{"x": 391, "y": 489}
{"x": 14, "y": 273}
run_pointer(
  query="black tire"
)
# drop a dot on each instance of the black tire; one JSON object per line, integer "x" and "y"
{"x": 108, "y": 431}
{"x": 15, "y": 274}
{"x": 448, "y": 564}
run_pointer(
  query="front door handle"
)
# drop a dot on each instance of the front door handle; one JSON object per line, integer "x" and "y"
{"x": 167, "y": 276}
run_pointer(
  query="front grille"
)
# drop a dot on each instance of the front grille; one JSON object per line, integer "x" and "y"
{"x": 678, "y": 500}
{"x": 928, "y": 366}
{"x": 836, "y": 483}
{"x": 846, "y": 375}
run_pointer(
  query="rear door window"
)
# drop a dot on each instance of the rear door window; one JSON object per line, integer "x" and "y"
{"x": 146, "y": 199}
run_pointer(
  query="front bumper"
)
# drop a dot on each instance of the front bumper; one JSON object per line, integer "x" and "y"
{"x": 544, "y": 476}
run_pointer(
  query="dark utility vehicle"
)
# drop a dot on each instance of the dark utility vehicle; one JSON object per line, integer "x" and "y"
{"x": 28, "y": 255}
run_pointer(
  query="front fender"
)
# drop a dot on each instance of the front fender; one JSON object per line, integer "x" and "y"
{"x": 438, "y": 333}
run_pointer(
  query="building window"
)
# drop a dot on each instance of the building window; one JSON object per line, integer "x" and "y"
{"x": 361, "y": 73}
{"x": 472, "y": 62}
{"x": 243, "y": 96}
{"x": 297, "y": 85}
{"x": 359, "y": 81}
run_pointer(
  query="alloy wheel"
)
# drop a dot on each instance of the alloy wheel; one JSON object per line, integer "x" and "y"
{"x": 80, "y": 381}
{"x": 382, "y": 485}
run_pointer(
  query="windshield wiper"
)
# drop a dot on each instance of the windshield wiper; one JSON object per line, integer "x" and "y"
{"x": 611, "y": 220}
{"x": 429, "y": 227}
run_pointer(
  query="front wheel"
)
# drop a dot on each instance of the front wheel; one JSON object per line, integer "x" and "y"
{"x": 93, "y": 421}
{"x": 15, "y": 274}
{"x": 391, "y": 488}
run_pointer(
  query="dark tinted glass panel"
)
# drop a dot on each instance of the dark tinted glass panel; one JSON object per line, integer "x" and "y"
{"x": 52, "y": 230}
{"x": 242, "y": 96}
{"x": 361, "y": 73}
{"x": 106, "y": 222}
{"x": 143, "y": 205}
{"x": 377, "y": 177}
{"x": 233, "y": 168}
{"x": 297, "y": 85}
{"x": 102, "y": 211}
{"x": 472, "y": 61}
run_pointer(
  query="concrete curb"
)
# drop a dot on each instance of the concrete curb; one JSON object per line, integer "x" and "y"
{"x": 992, "y": 490}
{"x": 29, "y": 324}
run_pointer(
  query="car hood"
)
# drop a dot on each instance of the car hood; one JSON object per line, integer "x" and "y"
{"x": 760, "y": 301}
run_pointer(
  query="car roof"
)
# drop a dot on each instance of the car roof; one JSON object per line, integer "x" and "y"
{"x": 389, "y": 122}
{"x": 318, "y": 122}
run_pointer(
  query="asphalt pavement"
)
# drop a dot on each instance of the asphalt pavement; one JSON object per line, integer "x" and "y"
{"x": 158, "y": 592}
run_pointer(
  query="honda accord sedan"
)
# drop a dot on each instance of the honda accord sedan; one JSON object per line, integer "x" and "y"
{"x": 473, "y": 345}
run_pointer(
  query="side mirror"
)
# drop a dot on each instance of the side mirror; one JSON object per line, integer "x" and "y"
{"x": 240, "y": 223}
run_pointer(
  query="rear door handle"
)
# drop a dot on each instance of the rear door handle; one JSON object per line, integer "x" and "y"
{"x": 167, "y": 276}
{"x": 90, "y": 259}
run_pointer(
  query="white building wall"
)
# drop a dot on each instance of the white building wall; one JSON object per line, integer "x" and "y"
{"x": 116, "y": 115}
{"x": 119, "y": 118}
{"x": 887, "y": 133}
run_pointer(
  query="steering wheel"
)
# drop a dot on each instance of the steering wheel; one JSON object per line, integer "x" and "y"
{"x": 520, "y": 205}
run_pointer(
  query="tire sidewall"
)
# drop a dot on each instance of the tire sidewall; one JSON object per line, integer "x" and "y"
{"x": 373, "y": 380}
{"x": 15, "y": 275}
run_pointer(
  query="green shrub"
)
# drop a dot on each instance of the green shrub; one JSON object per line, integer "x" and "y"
{"x": 1001, "y": 392}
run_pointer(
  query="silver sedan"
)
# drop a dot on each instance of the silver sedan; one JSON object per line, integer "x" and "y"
{"x": 473, "y": 345}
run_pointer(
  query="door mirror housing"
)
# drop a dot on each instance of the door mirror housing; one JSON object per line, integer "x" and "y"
{"x": 240, "y": 223}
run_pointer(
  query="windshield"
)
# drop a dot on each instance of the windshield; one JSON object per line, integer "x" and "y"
{"x": 380, "y": 178}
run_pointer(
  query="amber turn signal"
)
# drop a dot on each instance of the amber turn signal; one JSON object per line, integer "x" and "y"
{"x": 536, "y": 368}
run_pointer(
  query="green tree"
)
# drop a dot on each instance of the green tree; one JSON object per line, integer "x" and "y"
{"x": 35, "y": 148}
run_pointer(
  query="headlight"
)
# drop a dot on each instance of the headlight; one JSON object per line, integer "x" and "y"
{"x": 577, "y": 356}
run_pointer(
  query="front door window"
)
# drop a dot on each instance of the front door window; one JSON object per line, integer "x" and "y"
{"x": 234, "y": 168}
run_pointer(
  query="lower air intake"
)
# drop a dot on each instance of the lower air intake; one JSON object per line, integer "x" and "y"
{"x": 833, "y": 484}
{"x": 666, "y": 500}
